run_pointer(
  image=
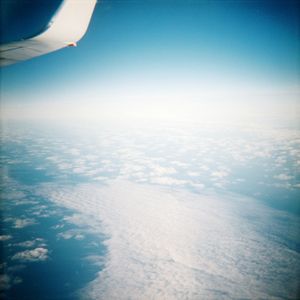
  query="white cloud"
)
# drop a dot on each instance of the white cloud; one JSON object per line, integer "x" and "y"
{"x": 15, "y": 195}
{"x": 165, "y": 244}
{"x": 73, "y": 151}
{"x": 26, "y": 244}
{"x": 100, "y": 178}
{"x": 58, "y": 226}
{"x": 3, "y": 266}
{"x": 25, "y": 202}
{"x": 17, "y": 280}
{"x": 37, "y": 254}
{"x": 21, "y": 223}
{"x": 219, "y": 174}
{"x": 91, "y": 173}
{"x": 106, "y": 162}
{"x": 157, "y": 170}
{"x": 40, "y": 168}
{"x": 279, "y": 161}
{"x": 79, "y": 170}
{"x": 64, "y": 166}
{"x": 70, "y": 234}
{"x": 197, "y": 186}
{"x": 31, "y": 243}
{"x": 96, "y": 260}
{"x": 193, "y": 174}
{"x": 5, "y": 282}
{"x": 167, "y": 181}
{"x": 77, "y": 219}
{"x": 5, "y": 237}
{"x": 283, "y": 177}
{"x": 54, "y": 159}
{"x": 297, "y": 185}
{"x": 204, "y": 168}
{"x": 179, "y": 164}
{"x": 282, "y": 185}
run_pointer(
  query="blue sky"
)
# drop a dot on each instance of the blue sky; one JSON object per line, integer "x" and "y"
{"x": 158, "y": 50}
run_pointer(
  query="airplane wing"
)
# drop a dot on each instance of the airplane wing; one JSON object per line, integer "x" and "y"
{"x": 65, "y": 29}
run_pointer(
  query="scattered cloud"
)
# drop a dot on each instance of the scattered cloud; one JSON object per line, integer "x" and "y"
{"x": 26, "y": 244}
{"x": 157, "y": 170}
{"x": 198, "y": 186}
{"x": 25, "y": 202}
{"x": 283, "y": 177}
{"x": 179, "y": 164}
{"x": 58, "y": 226}
{"x": 96, "y": 260}
{"x": 193, "y": 174}
{"x": 32, "y": 243}
{"x": 219, "y": 174}
{"x": 74, "y": 151}
{"x": 70, "y": 234}
{"x": 168, "y": 181}
{"x": 77, "y": 219}
{"x": 6, "y": 281}
{"x": 2, "y": 266}
{"x": 21, "y": 223}
{"x": 100, "y": 178}
{"x": 5, "y": 237}
{"x": 37, "y": 254}
{"x": 15, "y": 195}
{"x": 17, "y": 280}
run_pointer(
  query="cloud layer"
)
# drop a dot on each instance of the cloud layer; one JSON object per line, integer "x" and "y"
{"x": 149, "y": 190}
{"x": 178, "y": 245}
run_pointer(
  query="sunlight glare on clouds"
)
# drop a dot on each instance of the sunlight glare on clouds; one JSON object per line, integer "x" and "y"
{"x": 179, "y": 245}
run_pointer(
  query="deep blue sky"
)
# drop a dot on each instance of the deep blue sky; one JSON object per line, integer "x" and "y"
{"x": 150, "y": 45}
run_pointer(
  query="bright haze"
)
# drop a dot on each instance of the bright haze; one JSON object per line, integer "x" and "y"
{"x": 159, "y": 159}
{"x": 167, "y": 59}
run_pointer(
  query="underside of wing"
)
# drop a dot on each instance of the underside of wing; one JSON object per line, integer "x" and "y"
{"x": 65, "y": 29}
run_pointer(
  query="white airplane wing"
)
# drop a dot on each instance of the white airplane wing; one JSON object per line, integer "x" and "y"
{"x": 65, "y": 29}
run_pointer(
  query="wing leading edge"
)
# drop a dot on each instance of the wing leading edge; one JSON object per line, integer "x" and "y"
{"x": 65, "y": 29}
